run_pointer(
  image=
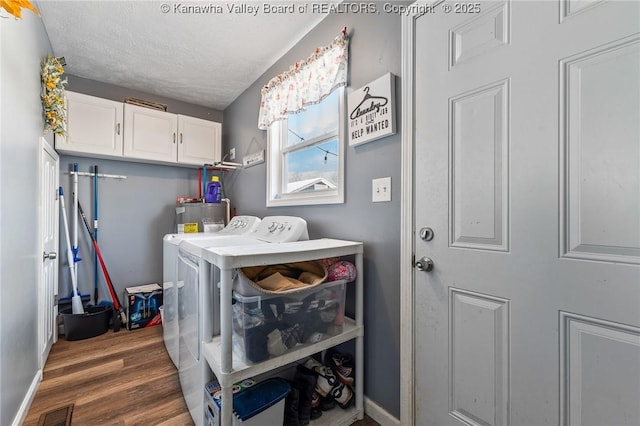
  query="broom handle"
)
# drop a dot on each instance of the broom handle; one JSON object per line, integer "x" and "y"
{"x": 70, "y": 258}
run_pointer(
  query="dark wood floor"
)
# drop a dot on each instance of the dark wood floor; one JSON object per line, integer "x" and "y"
{"x": 124, "y": 378}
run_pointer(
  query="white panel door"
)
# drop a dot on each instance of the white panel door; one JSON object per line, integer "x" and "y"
{"x": 150, "y": 134}
{"x": 198, "y": 141}
{"x": 527, "y": 170}
{"x": 94, "y": 126}
{"x": 48, "y": 289}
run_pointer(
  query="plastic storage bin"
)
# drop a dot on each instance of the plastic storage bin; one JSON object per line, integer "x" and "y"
{"x": 270, "y": 325}
{"x": 260, "y": 404}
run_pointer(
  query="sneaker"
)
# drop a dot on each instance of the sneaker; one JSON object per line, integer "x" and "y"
{"x": 343, "y": 395}
{"x": 327, "y": 380}
{"x": 342, "y": 364}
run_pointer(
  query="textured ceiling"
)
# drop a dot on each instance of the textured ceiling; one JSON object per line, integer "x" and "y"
{"x": 203, "y": 52}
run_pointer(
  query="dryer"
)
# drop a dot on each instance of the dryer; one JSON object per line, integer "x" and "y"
{"x": 238, "y": 225}
{"x": 200, "y": 290}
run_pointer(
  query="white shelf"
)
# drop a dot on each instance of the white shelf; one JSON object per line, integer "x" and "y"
{"x": 218, "y": 352}
{"x": 338, "y": 417}
{"x": 212, "y": 353}
{"x": 240, "y": 256}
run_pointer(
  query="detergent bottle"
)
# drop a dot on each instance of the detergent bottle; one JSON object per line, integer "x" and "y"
{"x": 213, "y": 194}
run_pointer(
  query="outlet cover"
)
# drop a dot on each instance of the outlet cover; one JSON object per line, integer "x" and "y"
{"x": 232, "y": 154}
{"x": 381, "y": 190}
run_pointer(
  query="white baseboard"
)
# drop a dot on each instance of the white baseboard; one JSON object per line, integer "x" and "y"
{"x": 28, "y": 399}
{"x": 379, "y": 414}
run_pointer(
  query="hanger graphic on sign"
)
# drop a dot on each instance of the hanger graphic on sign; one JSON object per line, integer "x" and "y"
{"x": 357, "y": 112}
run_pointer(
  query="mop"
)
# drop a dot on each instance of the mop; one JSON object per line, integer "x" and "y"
{"x": 76, "y": 300}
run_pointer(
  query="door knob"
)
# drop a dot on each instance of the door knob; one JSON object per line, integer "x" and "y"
{"x": 51, "y": 255}
{"x": 425, "y": 264}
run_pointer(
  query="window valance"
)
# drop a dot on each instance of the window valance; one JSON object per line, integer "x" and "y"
{"x": 307, "y": 82}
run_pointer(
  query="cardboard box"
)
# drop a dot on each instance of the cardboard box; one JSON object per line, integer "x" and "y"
{"x": 142, "y": 306}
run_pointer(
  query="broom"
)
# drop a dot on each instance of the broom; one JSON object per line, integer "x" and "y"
{"x": 76, "y": 300}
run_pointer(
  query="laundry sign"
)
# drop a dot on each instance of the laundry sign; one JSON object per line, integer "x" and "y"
{"x": 372, "y": 112}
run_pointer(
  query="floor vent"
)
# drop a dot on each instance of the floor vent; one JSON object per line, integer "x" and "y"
{"x": 57, "y": 417}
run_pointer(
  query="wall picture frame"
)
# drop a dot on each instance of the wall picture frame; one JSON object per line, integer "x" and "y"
{"x": 372, "y": 111}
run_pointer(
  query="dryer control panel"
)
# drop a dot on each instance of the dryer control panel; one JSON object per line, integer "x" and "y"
{"x": 240, "y": 225}
{"x": 281, "y": 229}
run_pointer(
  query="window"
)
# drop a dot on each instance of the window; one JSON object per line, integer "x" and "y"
{"x": 306, "y": 155}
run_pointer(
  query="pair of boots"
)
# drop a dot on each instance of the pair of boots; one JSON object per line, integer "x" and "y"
{"x": 302, "y": 403}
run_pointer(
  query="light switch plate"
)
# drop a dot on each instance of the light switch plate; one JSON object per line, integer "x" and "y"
{"x": 381, "y": 190}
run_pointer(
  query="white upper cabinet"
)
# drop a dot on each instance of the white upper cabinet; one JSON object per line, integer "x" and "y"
{"x": 150, "y": 134}
{"x": 199, "y": 141}
{"x": 103, "y": 128}
{"x": 94, "y": 126}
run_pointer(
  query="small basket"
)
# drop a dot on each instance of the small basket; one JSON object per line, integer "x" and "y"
{"x": 281, "y": 279}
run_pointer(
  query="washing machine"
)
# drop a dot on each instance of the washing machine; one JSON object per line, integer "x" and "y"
{"x": 172, "y": 308}
{"x": 201, "y": 295}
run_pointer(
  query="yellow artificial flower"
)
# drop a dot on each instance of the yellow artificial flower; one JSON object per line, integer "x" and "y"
{"x": 53, "y": 96}
{"x": 14, "y": 7}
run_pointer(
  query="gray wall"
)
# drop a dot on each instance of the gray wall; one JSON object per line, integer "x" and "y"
{"x": 24, "y": 44}
{"x": 374, "y": 50}
{"x": 134, "y": 213}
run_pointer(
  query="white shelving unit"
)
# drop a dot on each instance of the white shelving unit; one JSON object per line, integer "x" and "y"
{"x": 218, "y": 351}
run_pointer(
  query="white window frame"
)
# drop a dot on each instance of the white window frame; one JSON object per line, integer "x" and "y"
{"x": 277, "y": 136}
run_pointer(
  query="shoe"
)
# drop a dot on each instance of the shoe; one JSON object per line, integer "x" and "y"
{"x": 327, "y": 380}
{"x": 316, "y": 410}
{"x": 342, "y": 364}
{"x": 327, "y": 403}
{"x": 343, "y": 395}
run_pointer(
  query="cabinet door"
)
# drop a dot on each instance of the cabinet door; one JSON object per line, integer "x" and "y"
{"x": 199, "y": 141}
{"x": 150, "y": 134}
{"x": 94, "y": 126}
